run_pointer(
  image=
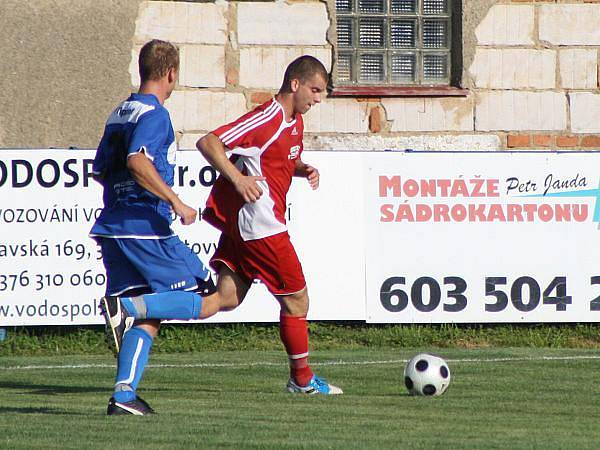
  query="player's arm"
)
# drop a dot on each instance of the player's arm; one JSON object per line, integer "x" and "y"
{"x": 213, "y": 149}
{"x": 307, "y": 171}
{"x": 144, "y": 173}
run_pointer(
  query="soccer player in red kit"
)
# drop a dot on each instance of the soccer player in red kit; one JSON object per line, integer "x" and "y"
{"x": 248, "y": 202}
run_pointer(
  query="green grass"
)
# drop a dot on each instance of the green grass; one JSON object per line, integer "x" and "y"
{"x": 505, "y": 398}
{"x": 39, "y": 341}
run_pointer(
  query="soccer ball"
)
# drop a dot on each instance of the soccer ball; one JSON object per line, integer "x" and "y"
{"x": 426, "y": 374}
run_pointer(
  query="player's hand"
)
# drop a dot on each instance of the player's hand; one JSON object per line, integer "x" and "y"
{"x": 313, "y": 176}
{"x": 248, "y": 188}
{"x": 186, "y": 214}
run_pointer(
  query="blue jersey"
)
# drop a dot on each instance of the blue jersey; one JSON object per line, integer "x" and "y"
{"x": 139, "y": 124}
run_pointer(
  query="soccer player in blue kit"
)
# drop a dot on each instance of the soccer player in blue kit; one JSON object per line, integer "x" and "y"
{"x": 151, "y": 273}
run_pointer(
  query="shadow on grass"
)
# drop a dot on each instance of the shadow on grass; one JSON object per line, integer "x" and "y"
{"x": 44, "y": 389}
{"x": 30, "y": 410}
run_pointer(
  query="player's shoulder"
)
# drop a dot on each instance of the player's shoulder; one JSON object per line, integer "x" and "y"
{"x": 267, "y": 112}
{"x": 261, "y": 121}
{"x": 136, "y": 107}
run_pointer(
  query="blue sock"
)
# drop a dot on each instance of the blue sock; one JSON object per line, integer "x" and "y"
{"x": 180, "y": 305}
{"x": 132, "y": 360}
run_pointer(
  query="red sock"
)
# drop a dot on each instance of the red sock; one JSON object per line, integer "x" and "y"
{"x": 294, "y": 335}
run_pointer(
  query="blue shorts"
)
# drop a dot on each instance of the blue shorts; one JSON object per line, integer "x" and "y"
{"x": 158, "y": 264}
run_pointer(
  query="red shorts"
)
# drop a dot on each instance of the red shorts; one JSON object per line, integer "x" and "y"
{"x": 272, "y": 260}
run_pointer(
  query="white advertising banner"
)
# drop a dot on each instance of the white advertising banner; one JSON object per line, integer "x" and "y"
{"x": 482, "y": 237}
{"x": 389, "y": 237}
{"x": 51, "y": 272}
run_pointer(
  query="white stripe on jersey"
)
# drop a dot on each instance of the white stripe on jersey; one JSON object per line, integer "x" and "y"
{"x": 256, "y": 125}
{"x": 257, "y": 220}
{"x": 250, "y": 123}
{"x": 129, "y": 111}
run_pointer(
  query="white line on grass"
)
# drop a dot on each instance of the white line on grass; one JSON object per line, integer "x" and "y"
{"x": 323, "y": 363}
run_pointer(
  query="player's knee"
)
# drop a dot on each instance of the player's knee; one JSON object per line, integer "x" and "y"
{"x": 295, "y": 304}
{"x": 292, "y": 309}
{"x": 151, "y": 326}
{"x": 216, "y": 302}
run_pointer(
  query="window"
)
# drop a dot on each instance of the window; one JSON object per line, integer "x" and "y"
{"x": 395, "y": 43}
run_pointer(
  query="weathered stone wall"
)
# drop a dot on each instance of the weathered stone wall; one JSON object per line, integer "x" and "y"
{"x": 530, "y": 69}
{"x": 63, "y": 67}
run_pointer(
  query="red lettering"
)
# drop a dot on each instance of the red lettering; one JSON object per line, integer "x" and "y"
{"x": 385, "y": 184}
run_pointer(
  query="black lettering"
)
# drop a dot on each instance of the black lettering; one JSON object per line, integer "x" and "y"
{"x": 209, "y": 247}
{"x": 91, "y": 213}
{"x": 71, "y": 173}
{"x": 416, "y": 294}
{"x": 31, "y": 217}
{"x": 595, "y": 303}
{"x": 460, "y": 286}
{"x": 393, "y": 300}
{"x": 181, "y": 171}
{"x": 208, "y": 176}
{"x": 15, "y": 173}
{"x": 40, "y": 173}
{"x": 3, "y": 173}
{"x": 43, "y": 310}
{"x": 561, "y": 299}
{"x": 516, "y": 294}
{"x": 4, "y": 310}
{"x": 43, "y": 213}
{"x": 87, "y": 171}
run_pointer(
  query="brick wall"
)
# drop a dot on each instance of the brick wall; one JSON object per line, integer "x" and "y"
{"x": 533, "y": 77}
{"x": 530, "y": 72}
{"x": 535, "y": 74}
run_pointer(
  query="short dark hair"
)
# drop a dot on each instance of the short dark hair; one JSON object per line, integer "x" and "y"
{"x": 156, "y": 59}
{"x": 302, "y": 69}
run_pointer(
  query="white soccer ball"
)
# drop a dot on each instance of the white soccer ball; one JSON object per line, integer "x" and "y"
{"x": 426, "y": 374}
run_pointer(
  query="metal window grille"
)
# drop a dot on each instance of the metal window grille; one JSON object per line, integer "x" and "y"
{"x": 393, "y": 42}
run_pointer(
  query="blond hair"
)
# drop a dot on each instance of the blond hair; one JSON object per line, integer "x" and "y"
{"x": 156, "y": 59}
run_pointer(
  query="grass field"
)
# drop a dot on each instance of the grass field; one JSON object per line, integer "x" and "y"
{"x": 505, "y": 398}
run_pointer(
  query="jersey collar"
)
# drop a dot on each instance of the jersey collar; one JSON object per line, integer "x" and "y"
{"x": 150, "y": 99}
{"x": 285, "y": 123}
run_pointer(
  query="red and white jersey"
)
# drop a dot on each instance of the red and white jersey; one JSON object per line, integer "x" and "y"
{"x": 263, "y": 144}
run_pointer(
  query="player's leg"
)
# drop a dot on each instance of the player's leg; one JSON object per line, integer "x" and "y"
{"x": 232, "y": 281}
{"x": 207, "y": 299}
{"x": 137, "y": 342}
{"x": 231, "y": 291}
{"x": 122, "y": 261}
{"x": 131, "y": 363}
{"x": 169, "y": 264}
{"x": 293, "y": 329}
{"x": 275, "y": 262}
{"x": 175, "y": 275}
{"x": 121, "y": 277}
